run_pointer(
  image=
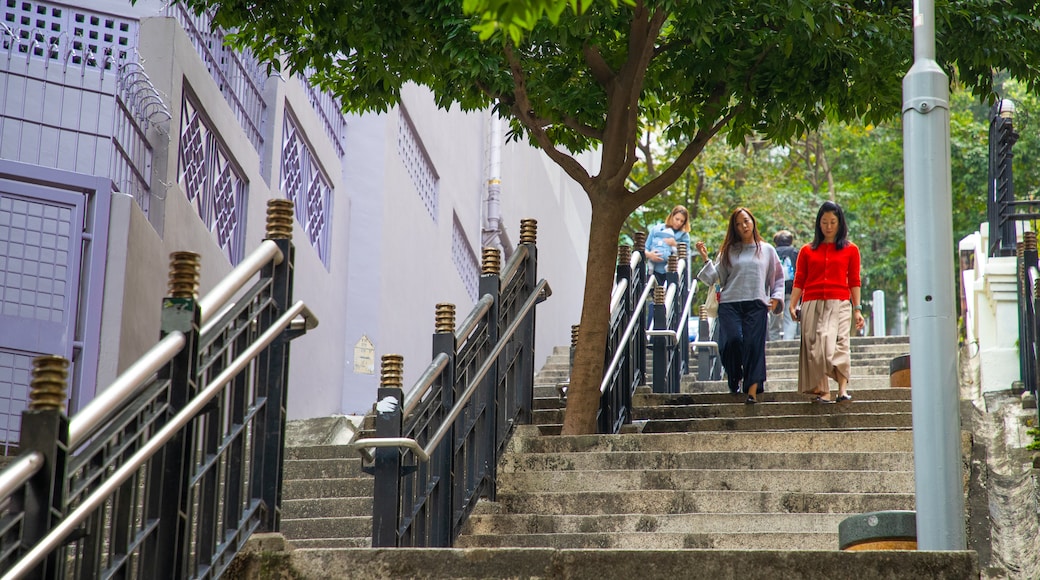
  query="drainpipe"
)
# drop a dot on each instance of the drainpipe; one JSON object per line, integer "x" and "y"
{"x": 493, "y": 233}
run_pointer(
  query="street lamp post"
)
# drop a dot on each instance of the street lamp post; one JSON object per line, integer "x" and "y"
{"x": 930, "y": 296}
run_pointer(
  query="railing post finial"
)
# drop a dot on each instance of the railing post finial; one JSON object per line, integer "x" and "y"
{"x": 184, "y": 274}
{"x": 673, "y": 263}
{"x": 639, "y": 240}
{"x": 624, "y": 255}
{"x": 528, "y": 231}
{"x": 444, "y": 321}
{"x": 391, "y": 374}
{"x": 658, "y": 294}
{"x": 574, "y": 335}
{"x": 279, "y": 219}
{"x": 48, "y": 389}
{"x": 490, "y": 261}
{"x": 684, "y": 251}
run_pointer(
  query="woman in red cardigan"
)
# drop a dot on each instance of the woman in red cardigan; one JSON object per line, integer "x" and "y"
{"x": 826, "y": 281}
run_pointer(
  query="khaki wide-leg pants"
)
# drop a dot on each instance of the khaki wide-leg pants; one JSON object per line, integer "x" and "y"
{"x": 825, "y": 345}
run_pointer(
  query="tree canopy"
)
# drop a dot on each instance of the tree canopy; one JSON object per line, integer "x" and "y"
{"x": 770, "y": 69}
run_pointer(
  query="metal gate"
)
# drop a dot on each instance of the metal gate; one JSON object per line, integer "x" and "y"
{"x": 49, "y": 254}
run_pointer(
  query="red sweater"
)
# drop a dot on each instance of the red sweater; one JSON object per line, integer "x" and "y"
{"x": 827, "y": 273}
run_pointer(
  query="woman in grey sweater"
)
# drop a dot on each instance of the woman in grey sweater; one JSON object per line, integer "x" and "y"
{"x": 752, "y": 281}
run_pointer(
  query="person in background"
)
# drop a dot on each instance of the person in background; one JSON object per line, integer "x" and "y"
{"x": 781, "y": 325}
{"x": 749, "y": 273}
{"x": 663, "y": 240}
{"x": 827, "y": 284}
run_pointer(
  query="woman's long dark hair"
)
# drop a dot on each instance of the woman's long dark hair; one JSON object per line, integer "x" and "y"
{"x": 840, "y": 238}
{"x": 733, "y": 237}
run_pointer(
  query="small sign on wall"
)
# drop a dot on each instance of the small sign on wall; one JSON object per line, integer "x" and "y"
{"x": 364, "y": 356}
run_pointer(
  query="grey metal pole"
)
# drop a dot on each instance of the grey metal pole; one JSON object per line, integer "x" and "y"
{"x": 930, "y": 284}
{"x": 877, "y": 306}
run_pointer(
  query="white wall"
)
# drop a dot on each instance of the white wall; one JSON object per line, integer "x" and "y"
{"x": 390, "y": 261}
{"x": 408, "y": 253}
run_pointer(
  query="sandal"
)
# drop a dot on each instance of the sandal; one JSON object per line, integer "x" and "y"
{"x": 843, "y": 398}
{"x": 823, "y": 401}
{"x": 751, "y": 400}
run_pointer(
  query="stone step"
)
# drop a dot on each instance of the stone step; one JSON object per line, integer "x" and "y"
{"x": 340, "y": 452}
{"x": 659, "y": 460}
{"x": 326, "y": 507}
{"x": 327, "y": 488}
{"x": 856, "y": 349}
{"x": 825, "y": 419}
{"x": 737, "y": 409}
{"x": 328, "y": 527}
{"x": 766, "y": 407}
{"x": 690, "y": 384}
{"x": 686, "y": 523}
{"x": 823, "y": 481}
{"x": 645, "y": 398}
{"x": 657, "y": 541}
{"x": 327, "y": 468}
{"x": 300, "y": 544}
{"x": 758, "y": 421}
{"x": 814, "y": 559}
{"x": 857, "y": 372}
{"x": 659, "y": 501}
{"x": 526, "y": 441}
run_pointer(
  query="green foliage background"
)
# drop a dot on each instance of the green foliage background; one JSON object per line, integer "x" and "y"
{"x": 867, "y": 165}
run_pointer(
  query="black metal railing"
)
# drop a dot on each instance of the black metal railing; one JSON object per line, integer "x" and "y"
{"x": 627, "y": 338}
{"x": 670, "y": 337}
{"x": 1028, "y": 330}
{"x": 1003, "y": 210}
{"x": 436, "y": 449}
{"x": 167, "y": 472}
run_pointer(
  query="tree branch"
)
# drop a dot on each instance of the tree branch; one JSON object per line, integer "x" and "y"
{"x": 619, "y": 145}
{"x": 676, "y": 169}
{"x": 597, "y": 65}
{"x": 525, "y": 113}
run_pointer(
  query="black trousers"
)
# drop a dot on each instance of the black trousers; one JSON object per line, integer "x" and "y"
{"x": 742, "y": 343}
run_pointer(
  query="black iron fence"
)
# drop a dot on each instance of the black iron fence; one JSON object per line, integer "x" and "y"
{"x": 435, "y": 450}
{"x": 168, "y": 471}
{"x": 1028, "y": 321}
{"x": 1003, "y": 210}
{"x": 628, "y": 338}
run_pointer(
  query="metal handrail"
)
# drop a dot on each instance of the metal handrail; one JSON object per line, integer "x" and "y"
{"x": 419, "y": 390}
{"x": 619, "y": 292}
{"x": 683, "y": 320}
{"x": 15, "y": 475}
{"x": 94, "y": 415}
{"x": 482, "y": 307}
{"x": 89, "y": 419}
{"x": 652, "y": 283}
{"x": 518, "y": 257}
{"x": 363, "y": 444}
{"x": 233, "y": 282}
{"x": 58, "y": 534}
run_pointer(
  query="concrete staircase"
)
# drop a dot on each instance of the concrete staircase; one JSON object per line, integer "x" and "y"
{"x": 704, "y": 486}
{"x": 326, "y": 498}
{"x": 708, "y": 471}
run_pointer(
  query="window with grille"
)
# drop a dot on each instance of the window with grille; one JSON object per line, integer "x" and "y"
{"x": 213, "y": 184}
{"x": 417, "y": 162}
{"x": 305, "y": 184}
{"x": 51, "y": 30}
{"x": 464, "y": 259}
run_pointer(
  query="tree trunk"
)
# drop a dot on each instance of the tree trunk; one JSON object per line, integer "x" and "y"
{"x": 587, "y": 373}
